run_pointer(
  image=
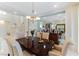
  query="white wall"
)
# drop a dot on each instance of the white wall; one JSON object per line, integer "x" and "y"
{"x": 10, "y": 20}
{"x": 78, "y": 30}
{"x": 72, "y": 28}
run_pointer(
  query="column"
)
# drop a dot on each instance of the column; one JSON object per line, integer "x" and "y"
{"x": 72, "y": 25}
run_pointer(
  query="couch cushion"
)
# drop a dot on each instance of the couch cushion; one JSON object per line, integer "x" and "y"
{"x": 55, "y": 53}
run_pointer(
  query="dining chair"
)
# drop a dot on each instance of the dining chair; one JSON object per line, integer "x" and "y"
{"x": 45, "y": 35}
{"x": 39, "y": 35}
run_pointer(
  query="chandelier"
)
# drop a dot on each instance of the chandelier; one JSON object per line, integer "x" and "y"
{"x": 34, "y": 17}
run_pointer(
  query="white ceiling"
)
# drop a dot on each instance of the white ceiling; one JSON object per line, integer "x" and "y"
{"x": 41, "y": 8}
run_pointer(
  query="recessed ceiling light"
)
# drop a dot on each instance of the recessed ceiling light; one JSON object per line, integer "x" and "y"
{"x": 2, "y": 21}
{"x": 55, "y": 6}
{"x": 3, "y": 12}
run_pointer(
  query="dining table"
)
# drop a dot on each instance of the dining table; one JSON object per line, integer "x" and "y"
{"x": 35, "y": 45}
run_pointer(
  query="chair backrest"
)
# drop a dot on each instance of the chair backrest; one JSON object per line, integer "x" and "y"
{"x": 65, "y": 46}
{"x": 53, "y": 36}
{"x": 38, "y": 35}
{"x": 45, "y": 35}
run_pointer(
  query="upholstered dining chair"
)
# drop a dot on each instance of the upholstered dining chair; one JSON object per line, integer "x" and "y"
{"x": 45, "y": 35}
{"x": 39, "y": 34}
{"x": 59, "y": 50}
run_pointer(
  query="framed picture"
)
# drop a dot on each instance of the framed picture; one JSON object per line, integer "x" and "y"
{"x": 60, "y": 27}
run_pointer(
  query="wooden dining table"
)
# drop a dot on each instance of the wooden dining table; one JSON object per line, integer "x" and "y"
{"x": 35, "y": 45}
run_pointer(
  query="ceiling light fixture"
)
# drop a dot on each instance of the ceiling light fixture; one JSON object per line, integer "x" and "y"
{"x": 34, "y": 17}
{"x": 55, "y": 6}
{"x": 3, "y": 12}
{"x": 2, "y": 21}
